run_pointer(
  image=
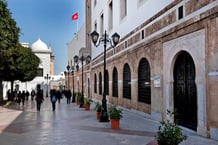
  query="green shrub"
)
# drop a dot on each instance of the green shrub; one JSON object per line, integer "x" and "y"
{"x": 169, "y": 132}
{"x": 98, "y": 107}
{"x": 114, "y": 112}
{"x": 78, "y": 96}
{"x": 87, "y": 101}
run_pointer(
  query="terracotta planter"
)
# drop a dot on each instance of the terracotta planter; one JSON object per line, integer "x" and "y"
{"x": 98, "y": 115}
{"x": 115, "y": 123}
{"x": 77, "y": 102}
{"x": 87, "y": 107}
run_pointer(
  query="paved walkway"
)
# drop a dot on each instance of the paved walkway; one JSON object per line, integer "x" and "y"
{"x": 71, "y": 125}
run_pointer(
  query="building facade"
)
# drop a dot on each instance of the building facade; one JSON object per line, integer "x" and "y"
{"x": 80, "y": 46}
{"x": 166, "y": 59}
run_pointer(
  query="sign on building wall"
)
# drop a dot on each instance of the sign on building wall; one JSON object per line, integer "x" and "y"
{"x": 157, "y": 81}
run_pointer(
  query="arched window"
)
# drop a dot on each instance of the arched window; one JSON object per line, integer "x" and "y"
{"x": 115, "y": 83}
{"x": 88, "y": 87}
{"x": 78, "y": 86}
{"x": 127, "y": 82}
{"x": 107, "y": 82}
{"x": 144, "y": 82}
{"x": 95, "y": 84}
{"x": 100, "y": 84}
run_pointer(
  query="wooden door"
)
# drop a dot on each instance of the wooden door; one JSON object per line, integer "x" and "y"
{"x": 185, "y": 96}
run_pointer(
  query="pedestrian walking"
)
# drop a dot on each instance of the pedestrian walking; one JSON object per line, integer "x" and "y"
{"x": 68, "y": 96}
{"x": 18, "y": 98}
{"x": 23, "y": 95}
{"x": 39, "y": 97}
{"x": 53, "y": 96}
{"x": 27, "y": 95}
{"x": 59, "y": 95}
{"x": 9, "y": 95}
{"x": 33, "y": 93}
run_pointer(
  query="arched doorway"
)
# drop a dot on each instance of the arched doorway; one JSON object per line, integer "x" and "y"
{"x": 185, "y": 92}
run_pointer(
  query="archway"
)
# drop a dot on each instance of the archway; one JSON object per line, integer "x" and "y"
{"x": 185, "y": 92}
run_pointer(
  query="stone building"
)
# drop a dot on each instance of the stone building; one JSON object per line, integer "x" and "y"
{"x": 166, "y": 59}
{"x": 76, "y": 47}
{"x": 79, "y": 46}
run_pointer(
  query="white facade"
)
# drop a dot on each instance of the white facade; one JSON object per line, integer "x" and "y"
{"x": 76, "y": 44}
{"x": 138, "y": 11}
{"x": 44, "y": 53}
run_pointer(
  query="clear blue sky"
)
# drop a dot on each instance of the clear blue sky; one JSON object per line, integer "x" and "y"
{"x": 49, "y": 20}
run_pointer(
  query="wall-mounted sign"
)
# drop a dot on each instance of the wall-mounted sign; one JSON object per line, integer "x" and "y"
{"x": 157, "y": 82}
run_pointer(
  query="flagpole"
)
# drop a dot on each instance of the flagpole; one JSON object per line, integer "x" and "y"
{"x": 77, "y": 25}
{"x": 75, "y": 16}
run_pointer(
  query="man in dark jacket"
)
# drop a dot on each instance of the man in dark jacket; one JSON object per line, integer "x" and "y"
{"x": 39, "y": 97}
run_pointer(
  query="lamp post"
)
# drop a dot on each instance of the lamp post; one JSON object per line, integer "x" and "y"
{"x": 47, "y": 77}
{"x": 72, "y": 72}
{"x": 81, "y": 59}
{"x": 104, "y": 39}
{"x": 68, "y": 71}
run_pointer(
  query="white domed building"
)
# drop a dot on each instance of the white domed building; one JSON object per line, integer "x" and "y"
{"x": 45, "y": 69}
{"x": 45, "y": 54}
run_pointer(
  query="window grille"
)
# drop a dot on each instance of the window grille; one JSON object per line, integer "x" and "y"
{"x": 100, "y": 84}
{"x": 115, "y": 83}
{"x": 144, "y": 82}
{"x": 126, "y": 82}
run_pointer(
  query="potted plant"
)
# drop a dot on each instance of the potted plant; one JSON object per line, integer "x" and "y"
{"x": 78, "y": 98}
{"x": 115, "y": 115}
{"x": 98, "y": 107}
{"x": 87, "y": 103}
{"x": 169, "y": 132}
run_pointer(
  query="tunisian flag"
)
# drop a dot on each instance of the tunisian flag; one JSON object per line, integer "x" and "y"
{"x": 75, "y": 16}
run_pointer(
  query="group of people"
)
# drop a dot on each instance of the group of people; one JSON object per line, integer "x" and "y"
{"x": 55, "y": 95}
{"x": 19, "y": 96}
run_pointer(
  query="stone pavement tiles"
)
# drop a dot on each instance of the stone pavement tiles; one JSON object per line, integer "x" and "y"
{"x": 71, "y": 125}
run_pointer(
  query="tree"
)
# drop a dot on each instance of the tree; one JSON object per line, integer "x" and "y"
{"x": 27, "y": 64}
{"x": 20, "y": 63}
{"x": 9, "y": 36}
{"x": 9, "y": 32}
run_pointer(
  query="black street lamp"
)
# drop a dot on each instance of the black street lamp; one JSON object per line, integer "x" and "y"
{"x": 72, "y": 72}
{"x": 104, "y": 39}
{"x": 68, "y": 80}
{"x": 82, "y": 59}
{"x": 47, "y": 77}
